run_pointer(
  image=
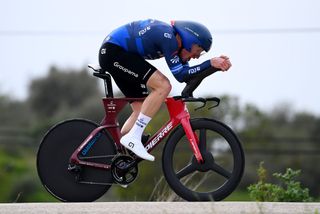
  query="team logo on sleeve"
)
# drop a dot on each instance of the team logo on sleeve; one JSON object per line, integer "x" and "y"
{"x": 175, "y": 60}
{"x": 194, "y": 70}
{"x": 167, "y": 35}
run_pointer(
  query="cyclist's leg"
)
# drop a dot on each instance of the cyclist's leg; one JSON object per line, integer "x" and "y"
{"x": 136, "y": 108}
{"x": 131, "y": 73}
{"x": 161, "y": 87}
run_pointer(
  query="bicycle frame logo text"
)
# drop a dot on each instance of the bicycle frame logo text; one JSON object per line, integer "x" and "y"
{"x": 90, "y": 144}
{"x": 159, "y": 136}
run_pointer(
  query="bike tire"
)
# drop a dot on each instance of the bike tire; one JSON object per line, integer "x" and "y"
{"x": 53, "y": 156}
{"x": 223, "y": 165}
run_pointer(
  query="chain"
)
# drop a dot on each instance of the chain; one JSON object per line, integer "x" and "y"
{"x": 102, "y": 184}
{"x": 97, "y": 157}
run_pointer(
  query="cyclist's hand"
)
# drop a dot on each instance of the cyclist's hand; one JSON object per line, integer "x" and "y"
{"x": 222, "y": 62}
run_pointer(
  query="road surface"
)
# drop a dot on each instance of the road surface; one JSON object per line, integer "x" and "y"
{"x": 159, "y": 208}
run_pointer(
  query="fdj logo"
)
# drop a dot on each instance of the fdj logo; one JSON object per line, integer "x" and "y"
{"x": 90, "y": 144}
{"x": 194, "y": 70}
{"x": 143, "y": 31}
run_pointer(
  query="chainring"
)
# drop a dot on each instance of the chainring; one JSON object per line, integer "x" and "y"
{"x": 124, "y": 169}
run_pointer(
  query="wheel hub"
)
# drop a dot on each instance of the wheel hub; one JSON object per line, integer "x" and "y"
{"x": 207, "y": 163}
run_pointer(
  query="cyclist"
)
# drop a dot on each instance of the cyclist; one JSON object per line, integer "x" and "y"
{"x": 124, "y": 52}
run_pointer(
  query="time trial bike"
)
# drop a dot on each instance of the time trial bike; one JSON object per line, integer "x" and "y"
{"x": 79, "y": 160}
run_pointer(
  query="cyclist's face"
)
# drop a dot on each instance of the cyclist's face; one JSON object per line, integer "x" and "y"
{"x": 195, "y": 53}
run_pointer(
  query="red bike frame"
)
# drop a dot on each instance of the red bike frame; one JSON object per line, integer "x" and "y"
{"x": 178, "y": 112}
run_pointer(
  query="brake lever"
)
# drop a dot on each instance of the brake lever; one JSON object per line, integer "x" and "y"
{"x": 192, "y": 99}
{"x": 203, "y": 101}
{"x": 216, "y": 99}
{"x": 200, "y": 107}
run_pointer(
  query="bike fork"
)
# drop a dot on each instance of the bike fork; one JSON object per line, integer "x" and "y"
{"x": 193, "y": 139}
{"x": 179, "y": 114}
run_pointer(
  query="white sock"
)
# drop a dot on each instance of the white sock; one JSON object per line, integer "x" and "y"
{"x": 132, "y": 140}
{"x": 139, "y": 126}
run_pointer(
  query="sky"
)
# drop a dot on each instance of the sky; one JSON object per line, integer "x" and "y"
{"x": 274, "y": 45}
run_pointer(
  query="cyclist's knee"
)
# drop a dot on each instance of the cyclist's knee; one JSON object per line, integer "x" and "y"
{"x": 160, "y": 83}
{"x": 166, "y": 86}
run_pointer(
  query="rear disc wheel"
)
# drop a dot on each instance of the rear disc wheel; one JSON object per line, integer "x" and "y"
{"x": 83, "y": 183}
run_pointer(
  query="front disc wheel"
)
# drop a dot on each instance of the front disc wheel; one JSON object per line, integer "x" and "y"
{"x": 217, "y": 176}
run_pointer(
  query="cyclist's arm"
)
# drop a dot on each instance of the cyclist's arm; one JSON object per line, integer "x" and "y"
{"x": 183, "y": 71}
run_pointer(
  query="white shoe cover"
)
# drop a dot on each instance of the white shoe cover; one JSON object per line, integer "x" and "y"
{"x": 136, "y": 147}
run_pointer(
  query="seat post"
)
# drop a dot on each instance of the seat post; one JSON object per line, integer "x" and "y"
{"x": 108, "y": 85}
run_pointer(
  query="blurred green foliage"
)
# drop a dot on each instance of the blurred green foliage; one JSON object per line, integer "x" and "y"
{"x": 281, "y": 138}
{"x": 288, "y": 189}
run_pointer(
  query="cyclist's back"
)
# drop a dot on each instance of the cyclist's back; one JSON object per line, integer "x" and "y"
{"x": 148, "y": 38}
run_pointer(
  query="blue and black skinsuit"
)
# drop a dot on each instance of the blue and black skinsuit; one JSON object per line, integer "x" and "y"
{"x": 153, "y": 39}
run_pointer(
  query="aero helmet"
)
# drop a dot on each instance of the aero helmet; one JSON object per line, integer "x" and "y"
{"x": 193, "y": 33}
